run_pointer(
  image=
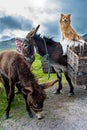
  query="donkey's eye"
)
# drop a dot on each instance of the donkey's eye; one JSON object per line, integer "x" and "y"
{"x": 25, "y": 46}
{"x": 35, "y": 105}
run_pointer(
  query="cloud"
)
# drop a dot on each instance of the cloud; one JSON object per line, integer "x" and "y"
{"x": 28, "y": 14}
{"x": 14, "y": 23}
{"x": 52, "y": 29}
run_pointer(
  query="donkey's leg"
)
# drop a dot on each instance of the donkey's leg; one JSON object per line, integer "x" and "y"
{"x": 18, "y": 86}
{"x": 70, "y": 84}
{"x": 10, "y": 99}
{"x": 27, "y": 107}
{"x": 85, "y": 87}
{"x": 7, "y": 87}
{"x": 60, "y": 83}
{"x": 5, "y": 82}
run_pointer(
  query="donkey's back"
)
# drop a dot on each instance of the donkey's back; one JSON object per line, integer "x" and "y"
{"x": 9, "y": 61}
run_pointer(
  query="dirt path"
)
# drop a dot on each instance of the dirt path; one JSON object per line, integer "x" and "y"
{"x": 60, "y": 113}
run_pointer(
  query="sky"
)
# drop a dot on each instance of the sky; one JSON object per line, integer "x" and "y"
{"x": 18, "y": 17}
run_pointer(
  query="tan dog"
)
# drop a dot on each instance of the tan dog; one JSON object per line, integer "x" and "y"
{"x": 66, "y": 29}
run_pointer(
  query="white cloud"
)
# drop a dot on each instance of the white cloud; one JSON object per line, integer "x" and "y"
{"x": 18, "y": 16}
{"x": 37, "y": 3}
{"x": 38, "y": 11}
{"x": 13, "y": 6}
{"x": 42, "y": 14}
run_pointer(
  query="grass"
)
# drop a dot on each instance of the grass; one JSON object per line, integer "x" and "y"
{"x": 18, "y": 105}
{"x": 42, "y": 77}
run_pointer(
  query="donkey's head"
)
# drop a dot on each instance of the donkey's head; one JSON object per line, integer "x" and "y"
{"x": 35, "y": 100}
{"x": 26, "y": 48}
{"x": 35, "y": 97}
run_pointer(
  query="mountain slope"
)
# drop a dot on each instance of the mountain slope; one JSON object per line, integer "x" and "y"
{"x": 7, "y": 44}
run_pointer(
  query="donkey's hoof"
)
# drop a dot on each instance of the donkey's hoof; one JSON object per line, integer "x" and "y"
{"x": 6, "y": 116}
{"x": 31, "y": 115}
{"x": 85, "y": 88}
{"x": 71, "y": 94}
{"x": 57, "y": 92}
{"x": 18, "y": 92}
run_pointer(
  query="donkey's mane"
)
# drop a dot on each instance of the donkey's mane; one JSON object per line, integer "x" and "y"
{"x": 48, "y": 40}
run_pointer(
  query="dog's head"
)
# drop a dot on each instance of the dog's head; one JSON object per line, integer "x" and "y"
{"x": 65, "y": 19}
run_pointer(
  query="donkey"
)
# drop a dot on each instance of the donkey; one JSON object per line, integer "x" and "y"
{"x": 29, "y": 57}
{"x": 49, "y": 49}
{"x": 13, "y": 69}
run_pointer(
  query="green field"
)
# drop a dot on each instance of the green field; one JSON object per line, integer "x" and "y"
{"x": 16, "y": 109}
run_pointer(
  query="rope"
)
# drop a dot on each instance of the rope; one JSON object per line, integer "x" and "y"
{"x": 47, "y": 58}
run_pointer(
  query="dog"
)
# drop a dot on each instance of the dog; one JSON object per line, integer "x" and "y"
{"x": 67, "y": 31}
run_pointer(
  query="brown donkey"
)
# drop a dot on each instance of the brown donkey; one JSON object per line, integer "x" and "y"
{"x": 14, "y": 68}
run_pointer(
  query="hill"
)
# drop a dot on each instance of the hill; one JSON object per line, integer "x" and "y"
{"x": 84, "y": 36}
{"x": 7, "y": 44}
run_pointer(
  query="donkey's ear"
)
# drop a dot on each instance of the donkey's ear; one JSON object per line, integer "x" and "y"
{"x": 32, "y": 32}
{"x": 27, "y": 90}
{"x": 36, "y": 29}
{"x": 49, "y": 84}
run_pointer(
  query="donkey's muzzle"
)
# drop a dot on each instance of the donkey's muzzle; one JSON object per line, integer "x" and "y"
{"x": 39, "y": 115}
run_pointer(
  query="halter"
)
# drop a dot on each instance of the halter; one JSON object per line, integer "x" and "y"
{"x": 31, "y": 59}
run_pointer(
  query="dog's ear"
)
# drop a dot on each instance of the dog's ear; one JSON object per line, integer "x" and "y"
{"x": 69, "y": 15}
{"x": 61, "y": 15}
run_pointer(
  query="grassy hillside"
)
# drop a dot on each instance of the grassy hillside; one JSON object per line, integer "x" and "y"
{"x": 8, "y": 44}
